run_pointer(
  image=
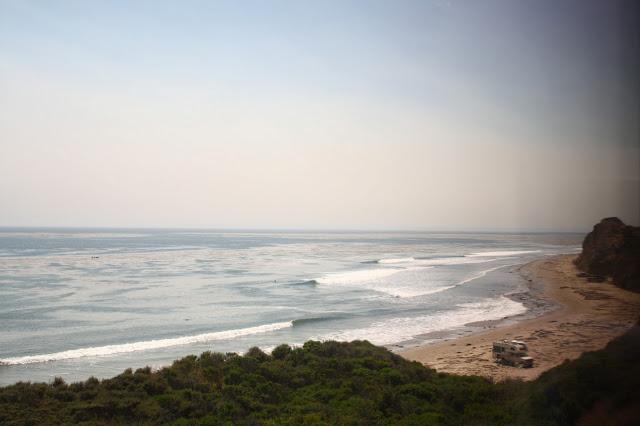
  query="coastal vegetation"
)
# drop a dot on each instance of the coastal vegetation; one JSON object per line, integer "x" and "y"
{"x": 336, "y": 383}
{"x": 357, "y": 383}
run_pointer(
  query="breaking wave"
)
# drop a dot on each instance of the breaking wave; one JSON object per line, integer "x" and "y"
{"x": 457, "y": 260}
{"x": 313, "y": 320}
{"x": 394, "y": 261}
{"x": 483, "y": 273}
{"x": 374, "y": 279}
{"x": 307, "y": 282}
{"x": 145, "y": 345}
{"x": 352, "y": 277}
{"x": 396, "y": 330}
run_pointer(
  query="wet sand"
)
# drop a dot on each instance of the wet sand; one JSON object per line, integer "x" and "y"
{"x": 588, "y": 316}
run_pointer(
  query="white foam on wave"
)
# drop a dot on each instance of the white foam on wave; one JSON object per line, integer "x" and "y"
{"x": 403, "y": 291}
{"x": 396, "y": 260}
{"x": 502, "y": 253}
{"x": 381, "y": 280}
{"x": 414, "y": 292}
{"x": 481, "y": 274}
{"x": 470, "y": 278}
{"x": 352, "y": 277}
{"x": 145, "y": 345}
{"x": 398, "y": 330}
{"x": 374, "y": 279}
{"x": 404, "y": 286}
{"x": 446, "y": 261}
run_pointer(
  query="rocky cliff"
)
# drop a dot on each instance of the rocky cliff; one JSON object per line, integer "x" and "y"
{"x": 612, "y": 249}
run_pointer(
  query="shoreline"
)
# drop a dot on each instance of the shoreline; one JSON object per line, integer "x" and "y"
{"x": 576, "y": 317}
{"x": 528, "y": 294}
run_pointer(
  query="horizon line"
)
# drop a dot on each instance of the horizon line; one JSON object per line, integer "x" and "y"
{"x": 4, "y": 228}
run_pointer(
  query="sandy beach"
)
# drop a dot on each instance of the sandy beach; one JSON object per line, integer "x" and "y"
{"x": 588, "y": 316}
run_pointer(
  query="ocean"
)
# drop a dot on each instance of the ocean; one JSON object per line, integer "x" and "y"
{"x": 76, "y": 303}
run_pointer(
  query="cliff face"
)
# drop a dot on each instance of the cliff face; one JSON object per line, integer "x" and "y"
{"x": 612, "y": 249}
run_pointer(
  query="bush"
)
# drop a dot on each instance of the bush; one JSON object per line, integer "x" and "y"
{"x": 335, "y": 383}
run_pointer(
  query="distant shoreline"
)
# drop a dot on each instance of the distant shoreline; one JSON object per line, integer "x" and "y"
{"x": 587, "y": 317}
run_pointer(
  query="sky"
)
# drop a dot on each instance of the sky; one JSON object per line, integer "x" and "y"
{"x": 423, "y": 115}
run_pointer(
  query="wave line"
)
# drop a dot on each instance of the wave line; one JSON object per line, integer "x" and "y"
{"x": 144, "y": 345}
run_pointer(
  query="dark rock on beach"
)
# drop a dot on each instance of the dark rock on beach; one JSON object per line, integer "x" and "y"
{"x": 612, "y": 250}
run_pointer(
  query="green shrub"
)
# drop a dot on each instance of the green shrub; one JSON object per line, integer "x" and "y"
{"x": 335, "y": 383}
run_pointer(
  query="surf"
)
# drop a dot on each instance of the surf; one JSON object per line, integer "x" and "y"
{"x": 402, "y": 329}
{"x": 108, "y": 350}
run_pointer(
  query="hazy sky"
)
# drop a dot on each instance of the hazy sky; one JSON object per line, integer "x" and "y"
{"x": 307, "y": 114}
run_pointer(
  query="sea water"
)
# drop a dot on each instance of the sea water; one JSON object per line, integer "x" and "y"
{"x": 76, "y": 303}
